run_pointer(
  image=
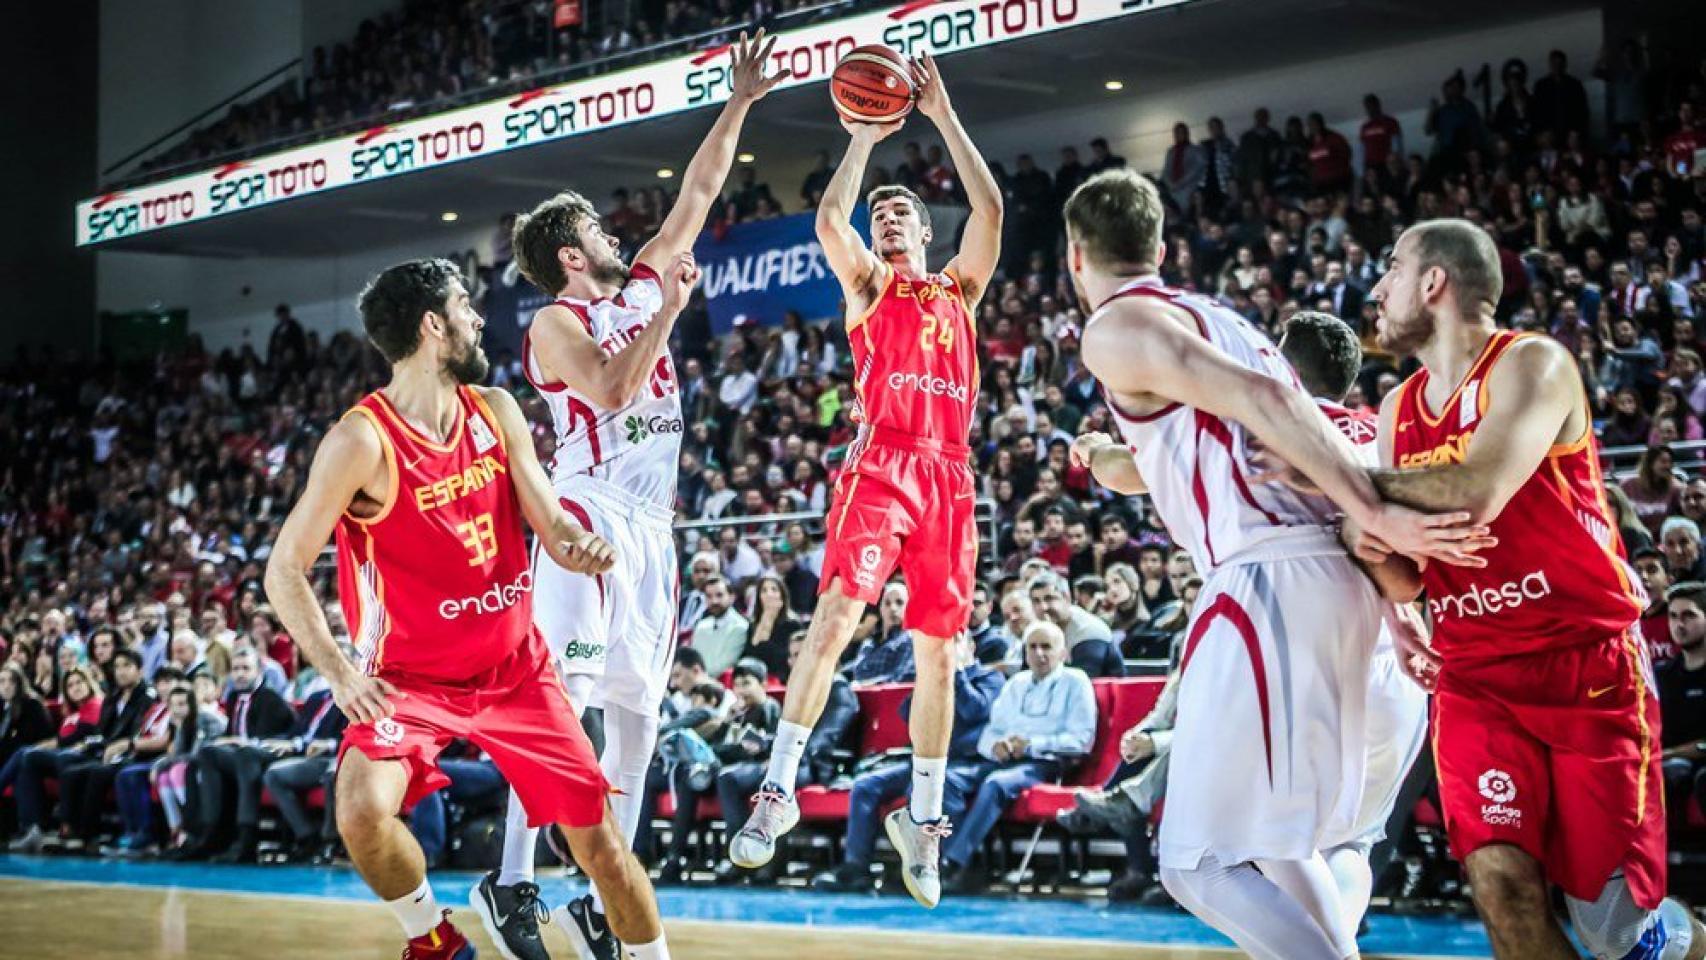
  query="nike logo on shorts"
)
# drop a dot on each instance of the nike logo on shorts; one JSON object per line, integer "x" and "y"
{"x": 1602, "y": 691}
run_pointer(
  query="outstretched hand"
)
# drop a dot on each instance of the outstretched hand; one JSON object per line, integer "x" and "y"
{"x": 747, "y": 67}
{"x": 931, "y": 96}
{"x": 871, "y": 133}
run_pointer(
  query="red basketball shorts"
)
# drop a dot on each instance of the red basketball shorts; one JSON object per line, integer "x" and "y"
{"x": 1557, "y": 753}
{"x": 518, "y": 713}
{"x": 906, "y": 501}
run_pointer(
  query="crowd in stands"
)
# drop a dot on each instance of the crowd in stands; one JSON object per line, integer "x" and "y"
{"x": 136, "y": 504}
{"x": 428, "y": 56}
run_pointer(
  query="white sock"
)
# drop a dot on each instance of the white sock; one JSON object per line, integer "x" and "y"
{"x": 520, "y": 841}
{"x": 927, "y": 776}
{"x": 785, "y": 755}
{"x": 416, "y": 911}
{"x": 656, "y": 950}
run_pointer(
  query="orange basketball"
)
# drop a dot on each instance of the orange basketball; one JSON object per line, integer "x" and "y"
{"x": 872, "y": 84}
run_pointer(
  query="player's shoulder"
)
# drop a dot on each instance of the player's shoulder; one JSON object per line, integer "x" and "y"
{"x": 1534, "y": 353}
{"x": 500, "y": 401}
{"x": 560, "y": 315}
{"x": 358, "y": 437}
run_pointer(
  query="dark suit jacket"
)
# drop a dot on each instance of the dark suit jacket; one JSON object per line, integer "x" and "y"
{"x": 122, "y": 724}
{"x": 269, "y": 716}
{"x": 975, "y": 689}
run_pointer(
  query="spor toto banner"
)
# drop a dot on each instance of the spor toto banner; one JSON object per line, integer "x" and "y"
{"x": 546, "y": 114}
{"x": 761, "y": 270}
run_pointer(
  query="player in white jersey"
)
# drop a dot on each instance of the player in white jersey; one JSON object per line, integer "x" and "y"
{"x": 1324, "y": 352}
{"x": 599, "y": 357}
{"x": 1268, "y": 748}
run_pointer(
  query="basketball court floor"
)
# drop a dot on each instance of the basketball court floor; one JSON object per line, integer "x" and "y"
{"x": 60, "y": 907}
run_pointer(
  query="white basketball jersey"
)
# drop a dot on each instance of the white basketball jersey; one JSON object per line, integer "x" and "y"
{"x": 1196, "y": 464}
{"x": 635, "y": 448}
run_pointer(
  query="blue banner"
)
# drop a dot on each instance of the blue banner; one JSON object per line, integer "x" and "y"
{"x": 510, "y": 305}
{"x": 758, "y": 271}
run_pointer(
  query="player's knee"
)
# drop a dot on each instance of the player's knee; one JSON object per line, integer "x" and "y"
{"x": 1614, "y": 928}
{"x": 599, "y": 850}
{"x": 1508, "y": 886}
{"x": 1181, "y": 886}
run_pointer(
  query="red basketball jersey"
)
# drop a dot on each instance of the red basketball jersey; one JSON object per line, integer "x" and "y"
{"x": 438, "y": 585}
{"x": 915, "y": 353}
{"x": 1558, "y": 576}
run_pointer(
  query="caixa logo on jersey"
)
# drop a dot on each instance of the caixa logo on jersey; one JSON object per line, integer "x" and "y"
{"x": 639, "y": 428}
{"x": 496, "y": 599}
{"x": 384, "y": 151}
{"x": 711, "y": 75}
{"x": 111, "y": 216}
{"x": 239, "y": 185}
{"x": 930, "y": 386}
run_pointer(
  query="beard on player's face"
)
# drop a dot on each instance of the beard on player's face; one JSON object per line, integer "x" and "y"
{"x": 1405, "y": 324}
{"x": 467, "y": 363}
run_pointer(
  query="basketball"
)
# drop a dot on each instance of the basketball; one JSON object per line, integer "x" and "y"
{"x": 872, "y": 84}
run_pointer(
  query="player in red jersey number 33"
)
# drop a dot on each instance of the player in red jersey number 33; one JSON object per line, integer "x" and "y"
{"x": 427, "y": 483}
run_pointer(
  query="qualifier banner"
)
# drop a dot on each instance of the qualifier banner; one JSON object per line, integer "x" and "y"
{"x": 938, "y": 27}
{"x": 756, "y": 272}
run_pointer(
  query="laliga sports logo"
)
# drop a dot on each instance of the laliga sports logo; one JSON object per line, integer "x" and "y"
{"x": 868, "y": 560}
{"x": 387, "y": 732}
{"x": 1497, "y": 786}
{"x": 930, "y": 386}
{"x": 497, "y": 598}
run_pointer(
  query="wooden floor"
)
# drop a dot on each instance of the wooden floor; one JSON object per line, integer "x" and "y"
{"x": 47, "y": 921}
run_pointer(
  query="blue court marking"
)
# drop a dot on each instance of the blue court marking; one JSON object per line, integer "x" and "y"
{"x": 984, "y": 916}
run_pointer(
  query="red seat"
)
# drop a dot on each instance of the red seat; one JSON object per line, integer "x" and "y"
{"x": 708, "y": 808}
{"x": 881, "y": 727}
{"x": 822, "y": 803}
{"x": 1120, "y": 703}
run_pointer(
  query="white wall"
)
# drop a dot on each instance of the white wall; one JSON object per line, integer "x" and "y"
{"x": 230, "y": 302}
{"x": 163, "y": 62}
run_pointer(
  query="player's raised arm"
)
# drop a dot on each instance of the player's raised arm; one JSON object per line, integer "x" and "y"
{"x": 1534, "y": 394}
{"x": 611, "y": 378}
{"x": 1155, "y": 350}
{"x": 702, "y": 182}
{"x": 980, "y": 245}
{"x": 1110, "y": 462}
{"x": 571, "y": 545}
{"x": 849, "y": 258}
{"x": 351, "y": 457}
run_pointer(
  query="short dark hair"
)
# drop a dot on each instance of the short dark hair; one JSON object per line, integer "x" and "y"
{"x": 1691, "y": 590}
{"x": 689, "y": 658}
{"x": 1112, "y": 520}
{"x": 753, "y": 668}
{"x": 1116, "y": 217}
{"x": 128, "y": 655}
{"x": 1324, "y": 351}
{"x": 537, "y": 237}
{"x": 169, "y": 672}
{"x": 393, "y": 303}
{"x": 894, "y": 190}
{"x": 1466, "y": 254}
{"x": 709, "y": 690}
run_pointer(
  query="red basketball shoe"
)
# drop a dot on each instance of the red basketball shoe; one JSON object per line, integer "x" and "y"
{"x": 443, "y": 942}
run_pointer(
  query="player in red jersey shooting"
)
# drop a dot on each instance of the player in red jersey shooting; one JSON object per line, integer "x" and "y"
{"x": 905, "y": 496}
{"x": 1545, "y": 721}
{"x": 427, "y": 483}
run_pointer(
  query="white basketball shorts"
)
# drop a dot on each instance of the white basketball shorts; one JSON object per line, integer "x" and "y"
{"x": 618, "y": 626}
{"x": 1269, "y": 747}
